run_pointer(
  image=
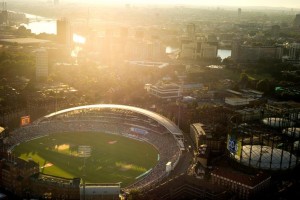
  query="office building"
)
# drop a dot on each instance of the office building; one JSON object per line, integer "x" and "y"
{"x": 4, "y": 14}
{"x": 164, "y": 90}
{"x": 41, "y": 63}
{"x": 294, "y": 52}
{"x": 239, "y": 12}
{"x": 198, "y": 49}
{"x": 297, "y": 21}
{"x": 64, "y": 32}
{"x": 191, "y": 30}
{"x": 248, "y": 53}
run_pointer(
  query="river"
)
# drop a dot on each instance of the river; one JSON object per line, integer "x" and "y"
{"x": 224, "y": 53}
{"x": 38, "y": 24}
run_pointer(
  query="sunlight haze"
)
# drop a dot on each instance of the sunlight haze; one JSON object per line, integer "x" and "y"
{"x": 272, "y": 3}
{"x": 150, "y": 99}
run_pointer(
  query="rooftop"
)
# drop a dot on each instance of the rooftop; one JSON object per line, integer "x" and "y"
{"x": 168, "y": 124}
{"x": 246, "y": 179}
{"x": 56, "y": 179}
{"x": 24, "y": 41}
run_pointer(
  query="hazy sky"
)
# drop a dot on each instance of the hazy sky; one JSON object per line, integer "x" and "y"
{"x": 241, "y": 3}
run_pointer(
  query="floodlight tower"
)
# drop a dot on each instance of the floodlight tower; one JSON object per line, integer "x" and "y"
{"x": 4, "y": 14}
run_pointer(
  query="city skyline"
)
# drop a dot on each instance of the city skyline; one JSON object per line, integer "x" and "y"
{"x": 173, "y": 99}
{"x": 231, "y": 3}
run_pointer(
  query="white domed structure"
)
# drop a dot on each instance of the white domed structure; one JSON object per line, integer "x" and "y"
{"x": 266, "y": 157}
{"x": 292, "y": 132}
{"x": 296, "y": 145}
{"x": 277, "y": 122}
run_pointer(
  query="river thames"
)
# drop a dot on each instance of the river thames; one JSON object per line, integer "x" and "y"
{"x": 38, "y": 24}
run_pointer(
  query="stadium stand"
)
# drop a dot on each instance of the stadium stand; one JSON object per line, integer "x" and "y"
{"x": 127, "y": 121}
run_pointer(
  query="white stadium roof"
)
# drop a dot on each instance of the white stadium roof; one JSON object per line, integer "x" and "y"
{"x": 168, "y": 124}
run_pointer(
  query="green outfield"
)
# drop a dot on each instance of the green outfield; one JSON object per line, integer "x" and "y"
{"x": 113, "y": 159}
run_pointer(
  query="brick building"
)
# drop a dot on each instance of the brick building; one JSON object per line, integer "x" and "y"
{"x": 245, "y": 186}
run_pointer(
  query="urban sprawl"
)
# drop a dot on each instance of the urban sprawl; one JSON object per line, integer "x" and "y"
{"x": 215, "y": 91}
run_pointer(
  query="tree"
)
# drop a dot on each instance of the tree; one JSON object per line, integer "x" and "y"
{"x": 227, "y": 61}
{"x": 23, "y": 31}
{"x": 244, "y": 79}
{"x": 264, "y": 86}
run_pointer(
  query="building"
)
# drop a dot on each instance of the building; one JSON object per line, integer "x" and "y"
{"x": 206, "y": 50}
{"x": 191, "y": 30}
{"x": 103, "y": 191}
{"x": 294, "y": 51}
{"x": 239, "y": 12}
{"x": 243, "y": 97}
{"x": 250, "y": 113}
{"x": 23, "y": 179}
{"x": 247, "y": 53}
{"x": 4, "y": 14}
{"x": 64, "y": 32}
{"x": 137, "y": 49}
{"x": 275, "y": 30}
{"x": 15, "y": 173}
{"x": 245, "y": 186}
{"x": 53, "y": 187}
{"x": 246, "y": 93}
{"x": 41, "y": 63}
{"x": 249, "y": 147}
{"x": 297, "y": 21}
{"x": 198, "y": 49}
{"x": 290, "y": 109}
{"x": 205, "y": 135}
{"x": 4, "y": 17}
{"x": 196, "y": 131}
{"x": 188, "y": 49}
{"x": 164, "y": 90}
{"x": 187, "y": 187}
{"x": 191, "y": 87}
{"x": 237, "y": 101}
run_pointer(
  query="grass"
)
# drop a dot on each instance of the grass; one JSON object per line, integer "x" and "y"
{"x": 113, "y": 159}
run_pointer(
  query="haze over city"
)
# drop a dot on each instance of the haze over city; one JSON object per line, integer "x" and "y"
{"x": 220, "y": 3}
{"x": 149, "y": 100}
{"x": 227, "y": 3}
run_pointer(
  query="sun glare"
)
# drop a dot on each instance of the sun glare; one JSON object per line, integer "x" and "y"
{"x": 293, "y": 3}
{"x": 78, "y": 39}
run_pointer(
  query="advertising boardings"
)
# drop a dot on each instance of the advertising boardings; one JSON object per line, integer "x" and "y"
{"x": 25, "y": 120}
{"x": 234, "y": 144}
{"x": 138, "y": 130}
